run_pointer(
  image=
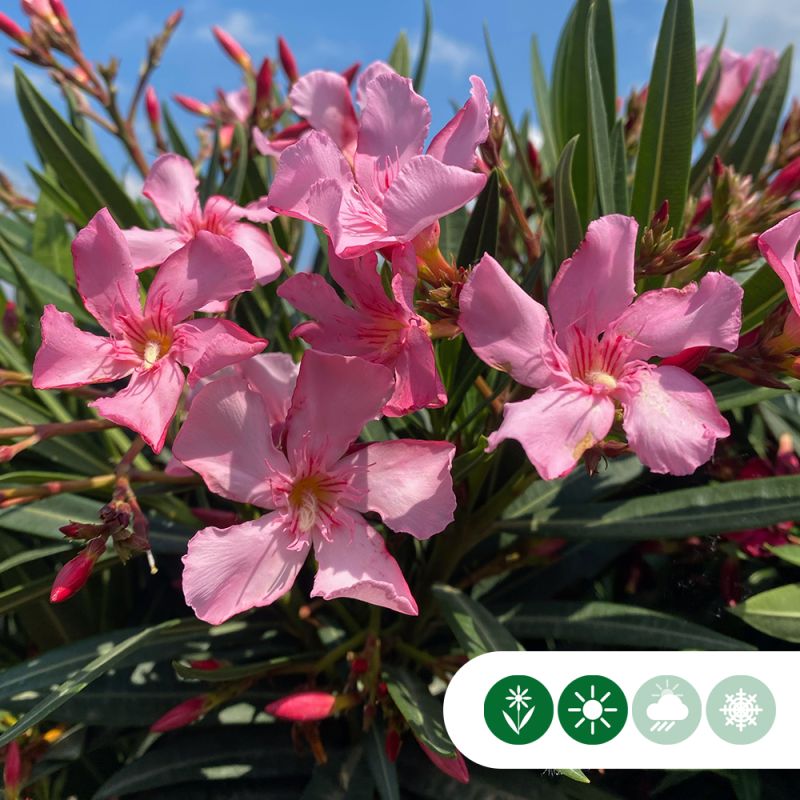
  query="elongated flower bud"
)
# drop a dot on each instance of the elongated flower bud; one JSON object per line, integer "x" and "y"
{"x": 12, "y": 771}
{"x": 233, "y": 48}
{"x": 73, "y": 575}
{"x": 152, "y": 106}
{"x": 193, "y": 105}
{"x": 392, "y": 745}
{"x": 787, "y": 181}
{"x": 264, "y": 84}
{"x": 180, "y": 716}
{"x": 455, "y": 767}
{"x": 10, "y": 28}
{"x": 173, "y": 20}
{"x": 303, "y": 706}
{"x": 60, "y": 10}
{"x": 288, "y": 61}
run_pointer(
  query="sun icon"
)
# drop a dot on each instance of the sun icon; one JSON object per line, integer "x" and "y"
{"x": 599, "y": 713}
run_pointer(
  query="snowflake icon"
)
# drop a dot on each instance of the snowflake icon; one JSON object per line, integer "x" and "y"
{"x": 741, "y": 709}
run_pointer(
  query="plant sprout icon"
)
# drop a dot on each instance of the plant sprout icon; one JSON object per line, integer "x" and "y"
{"x": 520, "y": 700}
{"x": 592, "y": 710}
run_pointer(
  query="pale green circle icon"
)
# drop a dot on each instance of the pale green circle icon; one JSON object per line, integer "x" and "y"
{"x": 667, "y": 709}
{"x": 740, "y": 709}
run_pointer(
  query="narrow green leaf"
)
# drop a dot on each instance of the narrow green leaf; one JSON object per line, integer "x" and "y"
{"x": 424, "y": 49}
{"x": 237, "y": 672}
{"x": 709, "y": 83}
{"x": 480, "y": 235}
{"x": 59, "y": 197}
{"x": 384, "y": 772}
{"x": 451, "y": 233}
{"x": 749, "y": 151}
{"x": 736, "y": 393}
{"x": 400, "y": 57}
{"x": 476, "y": 629}
{"x": 209, "y": 183}
{"x": 86, "y": 178}
{"x": 559, "y": 77}
{"x": 717, "y": 144}
{"x": 763, "y": 290}
{"x": 665, "y": 149}
{"x": 599, "y": 122}
{"x": 699, "y": 511}
{"x": 619, "y": 167}
{"x": 776, "y": 612}
{"x": 574, "y": 775}
{"x": 81, "y": 680}
{"x": 176, "y": 141}
{"x": 421, "y": 711}
{"x": 614, "y": 625}
{"x": 543, "y": 108}
{"x": 603, "y": 41}
{"x": 26, "y": 556}
{"x": 234, "y": 183}
{"x": 567, "y": 222}
{"x": 50, "y": 242}
{"x": 790, "y": 553}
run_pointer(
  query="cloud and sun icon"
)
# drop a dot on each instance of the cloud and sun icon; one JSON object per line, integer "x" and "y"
{"x": 668, "y": 709}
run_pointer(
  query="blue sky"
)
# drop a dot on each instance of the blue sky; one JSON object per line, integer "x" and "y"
{"x": 333, "y": 35}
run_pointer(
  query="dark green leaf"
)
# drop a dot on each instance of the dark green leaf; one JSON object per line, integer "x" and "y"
{"x": 452, "y": 232}
{"x": 568, "y": 228}
{"x": 424, "y": 49}
{"x": 543, "y": 107}
{"x": 665, "y": 149}
{"x": 699, "y": 511}
{"x": 422, "y": 712}
{"x": 480, "y": 235}
{"x": 68, "y": 207}
{"x": 86, "y": 178}
{"x": 176, "y": 141}
{"x": 50, "y": 242}
{"x": 750, "y": 149}
{"x": 606, "y": 57}
{"x": 234, "y": 183}
{"x": 719, "y": 141}
{"x": 775, "y": 612}
{"x": 384, "y": 772}
{"x": 762, "y": 292}
{"x": 614, "y": 624}
{"x": 476, "y": 629}
{"x": 619, "y": 166}
{"x": 599, "y": 122}
{"x": 709, "y": 83}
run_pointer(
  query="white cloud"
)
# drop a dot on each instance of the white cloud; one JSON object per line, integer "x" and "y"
{"x": 458, "y": 56}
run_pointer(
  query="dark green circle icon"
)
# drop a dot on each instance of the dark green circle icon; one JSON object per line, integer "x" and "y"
{"x": 518, "y": 709}
{"x": 592, "y": 709}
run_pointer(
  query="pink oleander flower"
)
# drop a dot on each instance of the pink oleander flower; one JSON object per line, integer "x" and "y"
{"x": 736, "y": 72}
{"x": 367, "y": 182}
{"x": 172, "y": 187}
{"x": 150, "y": 344}
{"x": 181, "y": 715}
{"x": 755, "y": 541}
{"x": 316, "y": 486}
{"x": 379, "y": 329}
{"x": 592, "y": 361}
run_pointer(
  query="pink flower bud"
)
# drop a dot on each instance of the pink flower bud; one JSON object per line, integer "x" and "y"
{"x": 455, "y": 767}
{"x": 233, "y": 48}
{"x": 351, "y": 72}
{"x": 10, "y": 319}
{"x": 173, "y": 20}
{"x": 180, "y": 716}
{"x": 205, "y": 663}
{"x": 662, "y": 215}
{"x": 534, "y": 160}
{"x": 193, "y": 105}
{"x": 10, "y": 28}
{"x": 152, "y": 106}
{"x": 264, "y": 84}
{"x": 303, "y": 706}
{"x": 74, "y": 574}
{"x": 288, "y": 61}
{"x": 60, "y": 10}
{"x": 686, "y": 245}
{"x": 12, "y": 771}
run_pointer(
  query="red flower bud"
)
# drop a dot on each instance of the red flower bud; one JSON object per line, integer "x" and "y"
{"x": 180, "y": 716}
{"x": 787, "y": 181}
{"x": 392, "y": 745}
{"x": 193, "y": 105}
{"x": 152, "y": 106}
{"x": 455, "y": 767}
{"x": 534, "y": 160}
{"x": 74, "y": 574}
{"x": 10, "y": 28}
{"x": 359, "y": 666}
{"x": 233, "y": 48}
{"x": 288, "y": 61}
{"x": 264, "y": 84}
{"x": 10, "y": 319}
{"x": 205, "y": 663}
{"x": 686, "y": 245}
{"x": 303, "y": 706}
{"x": 59, "y": 9}
{"x": 351, "y": 72}
{"x": 12, "y": 771}
{"x": 661, "y": 216}
{"x": 719, "y": 167}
